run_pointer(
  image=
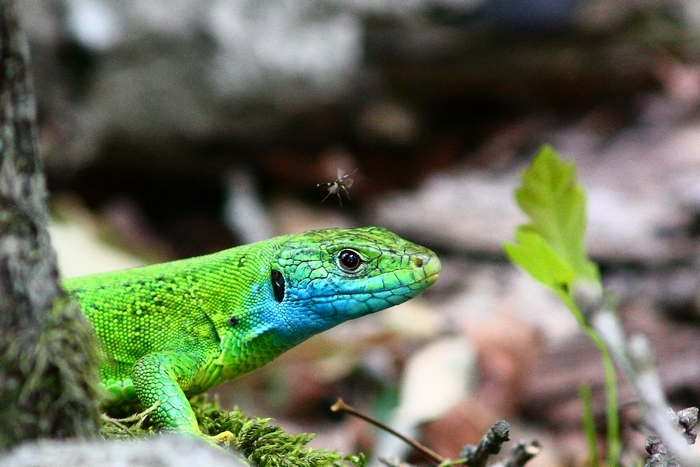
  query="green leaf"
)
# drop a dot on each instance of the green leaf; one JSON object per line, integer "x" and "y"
{"x": 537, "y": 257}
{"x": 551, "y": 248}
{"x": 556, "y": 205}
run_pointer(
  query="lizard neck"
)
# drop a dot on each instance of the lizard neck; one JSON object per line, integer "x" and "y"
{"x": 240, "y": 356}
{"x": 237, "y": 299}
{"x": 237, "y": 358}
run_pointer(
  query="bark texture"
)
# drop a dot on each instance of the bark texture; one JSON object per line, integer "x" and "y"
{"x": 48, "y": 377}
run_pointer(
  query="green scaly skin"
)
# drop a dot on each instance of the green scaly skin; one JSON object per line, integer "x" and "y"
{"x": 174, "y": 330}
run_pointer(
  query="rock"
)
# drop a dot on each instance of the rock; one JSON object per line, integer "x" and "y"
{"x": 163, "y": 451}
{"x": 152, "y": 74}
{"x": 153, "y": 71}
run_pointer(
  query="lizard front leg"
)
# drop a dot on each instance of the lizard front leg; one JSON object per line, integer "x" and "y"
{"x": 164, "y": 377}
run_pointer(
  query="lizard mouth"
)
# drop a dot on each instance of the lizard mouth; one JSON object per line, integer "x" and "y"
{"x": 425, "y": 281}
{"x": 431, "y": 278}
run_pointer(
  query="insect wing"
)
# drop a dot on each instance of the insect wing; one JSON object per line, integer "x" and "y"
{"x": 344, "y": 181}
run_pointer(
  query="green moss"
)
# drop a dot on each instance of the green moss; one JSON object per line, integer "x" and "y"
{"x": 48, "y": 378}
{"x": 264, "y": 444}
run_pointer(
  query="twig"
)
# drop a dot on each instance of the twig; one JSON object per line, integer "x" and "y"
{"x": 687, "y": 419}
{"x": 118, "y": 424}
{"x": 138, "y": 417}
{"x": 658, "y": 454}
{"x": 341, "y": 406}
{"x": 473, "y": 456}
{"x": 489, "y": 444}
{"x": 520, "y": 454}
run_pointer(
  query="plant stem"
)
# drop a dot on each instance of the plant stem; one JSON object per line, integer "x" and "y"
{"x": 589, "y": 425}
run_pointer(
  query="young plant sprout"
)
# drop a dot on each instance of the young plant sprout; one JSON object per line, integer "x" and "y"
{"x": 343, "y": 181}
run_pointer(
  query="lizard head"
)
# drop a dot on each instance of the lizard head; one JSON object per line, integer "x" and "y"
{"x": 322, "y": 278}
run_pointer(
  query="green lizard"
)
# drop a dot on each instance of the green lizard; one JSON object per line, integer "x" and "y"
{"x": 174, "y": 330}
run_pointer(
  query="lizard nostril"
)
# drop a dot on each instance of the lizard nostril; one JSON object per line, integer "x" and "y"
{"x": 417, "y": 261}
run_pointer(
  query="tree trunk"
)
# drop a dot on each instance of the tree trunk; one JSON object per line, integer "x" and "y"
{"x": 48, "y": 377}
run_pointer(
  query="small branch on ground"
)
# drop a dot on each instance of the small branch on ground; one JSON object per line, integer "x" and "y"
{"x": 686, "y": 420}
{"x": 635, "y": 358}
{"x": 139, "y": 418}
{"x": 520, "y": 455}
{"x": 490, "y": 444}
{"x": 341, "y": 406}
{"x": 473, "y": 456}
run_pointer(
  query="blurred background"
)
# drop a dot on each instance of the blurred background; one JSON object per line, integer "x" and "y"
{"x": 173, "y": 128}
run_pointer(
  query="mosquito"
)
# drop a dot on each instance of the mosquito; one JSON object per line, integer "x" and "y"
{"x": 343, "y": 181}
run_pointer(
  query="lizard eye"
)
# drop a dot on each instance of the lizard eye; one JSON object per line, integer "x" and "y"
{"x": 278, "y": 285}
{"x": 349, "y": 260}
